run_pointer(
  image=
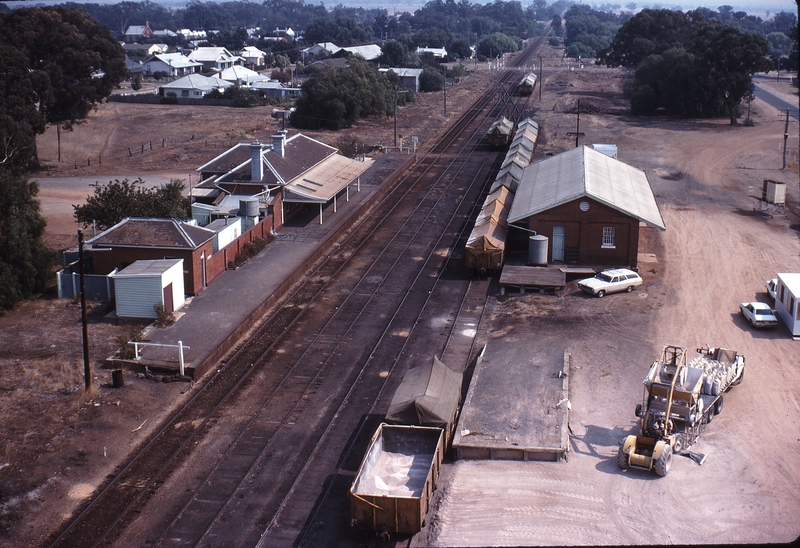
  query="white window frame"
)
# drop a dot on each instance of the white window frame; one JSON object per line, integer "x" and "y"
{"x": 609, "y": 233}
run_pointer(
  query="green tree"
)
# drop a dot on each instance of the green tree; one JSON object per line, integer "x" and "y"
{"x": 25, "y": 261}
{"x": 431, "y": 80}
{"x": 497, "y": 44}
{"x": 729, "y": 58}
{"x": 83, "y": 61}
{"x": 393, "y": 54}
{"x": 119, "y": 199}
{"x": 337, "y": 97}
{"x": 20, "y": 121}
{"x": 649, "y": 32}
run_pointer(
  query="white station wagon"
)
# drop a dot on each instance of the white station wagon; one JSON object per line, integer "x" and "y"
{"x": 610, "y": 281}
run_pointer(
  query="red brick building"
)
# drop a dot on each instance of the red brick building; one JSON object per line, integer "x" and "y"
{"x": 134, "y": 239}
{"x": 589, "y": 205}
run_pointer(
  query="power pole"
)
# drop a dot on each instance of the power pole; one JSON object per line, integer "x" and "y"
{"x": 444, "y": 68}
{"x": 540, "y": 79}
{"x": 87, "y": 374}
{"x": 785, "y": 138}
{"x": 577, "y": 133}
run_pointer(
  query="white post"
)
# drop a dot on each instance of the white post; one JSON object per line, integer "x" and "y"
{"x": 358, "y": 184}
{"x": 320, "y": 213}
{"x": 136, "y": 350}
{"x": 334, "y": 203}
{"x": 347, "y": 192}
{"x": 180, "y": 356}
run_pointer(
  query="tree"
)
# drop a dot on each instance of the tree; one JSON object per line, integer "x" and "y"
{"x": 83, "y": 61}
{"x": 20, "y": 121}
{"x": 119, "y": 199}
{"x": 337, "y": 97}
{"x": 393, "y": 53}
{"x": 729, "y": 58}
{"x": 25, "y": 261}
{"x": 649, "y": 32}
{"x": 431, "y": 80}
{"x": 497, "y": 44}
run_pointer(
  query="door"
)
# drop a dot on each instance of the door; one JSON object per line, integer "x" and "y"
{"x": 558, "y": 243}
{"x": 169, "y": 306}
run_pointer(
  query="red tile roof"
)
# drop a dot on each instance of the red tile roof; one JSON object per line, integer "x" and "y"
{"x": 167, "y": 233}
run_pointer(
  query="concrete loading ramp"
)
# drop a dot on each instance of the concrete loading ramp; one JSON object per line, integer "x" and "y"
{"x": 517, "y": 406}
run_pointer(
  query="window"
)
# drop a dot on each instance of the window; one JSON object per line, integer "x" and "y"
{"x": 608, "y": 237}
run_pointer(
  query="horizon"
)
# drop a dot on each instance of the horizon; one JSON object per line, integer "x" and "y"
{"x": 761, "y": 8}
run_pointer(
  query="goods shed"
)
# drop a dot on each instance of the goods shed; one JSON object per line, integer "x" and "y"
{"x": 589, "y": 205}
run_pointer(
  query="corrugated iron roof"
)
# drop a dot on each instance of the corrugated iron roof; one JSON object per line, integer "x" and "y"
{"x": 136, "y": 232}
{"x": 583, "y": 172}
{"x": 147, "y": 268}
{"x": 322, "y": 183}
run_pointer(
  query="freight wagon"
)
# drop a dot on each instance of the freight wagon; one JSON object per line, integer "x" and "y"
{"x": 525, "y": 86}
{"x": 500, "y": 132}
{"x": 392, "y": 489}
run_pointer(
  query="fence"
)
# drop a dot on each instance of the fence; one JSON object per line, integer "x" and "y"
{"x": 98, "y": 287}
{"x": 218, "y": 262}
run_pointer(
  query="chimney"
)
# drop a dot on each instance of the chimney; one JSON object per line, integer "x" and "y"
{"x": 256, "y": 162}
{"x": 279, "y": 142}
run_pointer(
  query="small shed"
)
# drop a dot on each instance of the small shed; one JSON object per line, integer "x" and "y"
{"x": 428, "y": 396}
{"x": 227, "y": 230}
{"x": 787, "y": 301}
{"x": 146, "y": 284}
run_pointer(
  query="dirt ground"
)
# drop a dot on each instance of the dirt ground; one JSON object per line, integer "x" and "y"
{"x": 59, "y": 442}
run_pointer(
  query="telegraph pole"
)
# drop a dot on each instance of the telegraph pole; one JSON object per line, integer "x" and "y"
{"x": 87, "y": 374}
{"x": 785, "y": 138}
{"x": 444, "y": 67}
{"x": 540, "y": 79}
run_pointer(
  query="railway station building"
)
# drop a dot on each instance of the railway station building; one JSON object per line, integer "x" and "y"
{"x": 590, "y": 206}
{"x": 287, "y": 176}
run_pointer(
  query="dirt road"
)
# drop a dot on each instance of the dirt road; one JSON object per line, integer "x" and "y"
{"x": 715, "y": 253}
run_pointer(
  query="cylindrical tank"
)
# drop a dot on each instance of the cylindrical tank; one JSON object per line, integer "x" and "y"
{"x": 248, "y": 208}
{"x": 537, "y": 250}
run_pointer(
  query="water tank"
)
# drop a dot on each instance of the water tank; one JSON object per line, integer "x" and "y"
{"x": 248, "y": 207}
{"x": 537, "y": 250}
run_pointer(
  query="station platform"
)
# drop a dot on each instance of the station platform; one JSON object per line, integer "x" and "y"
{"x": 517, "y": 406}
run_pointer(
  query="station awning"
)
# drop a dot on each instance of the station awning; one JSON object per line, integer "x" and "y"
{"x": 320, "y": 184}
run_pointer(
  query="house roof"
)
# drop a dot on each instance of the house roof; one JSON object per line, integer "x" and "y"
{"x": 136, "y": 30}
{"x": 584, "y": 172}
{"x": 369, "y": 52}
{"x": 198, "y": 81}
{"x": 791, "y": 280}
{"x": 301, "y": 153}
{"x": 238, "y": 73}
{"x": 162, "y": 233}
{"x": 211, "y": 54}
{"x": 251, "y": 51}
{"x": 174, "y": 60}
{"x": 330, "y": 47}
{"x": 403, "y": 72}
{"x": 437, "y": 52}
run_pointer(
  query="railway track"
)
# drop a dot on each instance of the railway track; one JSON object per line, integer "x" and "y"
{"x": 260, "y": 453}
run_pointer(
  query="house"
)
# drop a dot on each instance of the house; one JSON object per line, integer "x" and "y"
{"x": 134, "y": 33}
{"x": 148, "y": 49}
{"x": 273, "y": 88}
{"x": 194, "y": 86}
{"x": 175, "y": 65}
{"x": 438, "y": 53}
{"x": 145, "y": 285}
{"x": 215, "y": 58}
{"x": 136, "y": 68}
{"x": 409, "y": 77}
{"x": 135, "y": 239}
{"x": 787, "y": 301}
{"x": 253, "y": 57}
{"x": 588, "y": 204}
{"x": 226, "y": 231}
{"x": 166, "y": 33}
{"x": 242, "y": 76}
{"x": 323, "y": 49}
{"x": 287, "y": 175}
